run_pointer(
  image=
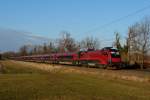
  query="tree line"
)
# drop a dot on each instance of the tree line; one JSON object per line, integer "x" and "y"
{"x": 65, "y": 43}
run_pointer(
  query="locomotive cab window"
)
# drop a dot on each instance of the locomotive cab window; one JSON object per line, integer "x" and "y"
{"x": 115, "y": 53}
{"x": 115, "y": 56}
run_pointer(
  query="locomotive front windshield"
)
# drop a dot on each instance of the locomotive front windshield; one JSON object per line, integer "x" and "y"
{"x": 115, "y": 53}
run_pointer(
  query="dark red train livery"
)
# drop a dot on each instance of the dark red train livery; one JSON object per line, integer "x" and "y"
{"x": 107, "y": 56}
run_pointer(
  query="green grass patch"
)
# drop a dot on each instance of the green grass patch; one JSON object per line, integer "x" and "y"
{"x": 68, "y": 86}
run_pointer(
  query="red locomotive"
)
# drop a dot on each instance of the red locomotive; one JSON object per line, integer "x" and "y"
{"x": 105, "y": 57}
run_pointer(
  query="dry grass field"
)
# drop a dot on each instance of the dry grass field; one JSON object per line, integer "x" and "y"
{"x": 37, "y": 81}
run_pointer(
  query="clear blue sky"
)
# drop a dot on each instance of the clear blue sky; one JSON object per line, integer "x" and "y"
{"x": 80, "y": 17}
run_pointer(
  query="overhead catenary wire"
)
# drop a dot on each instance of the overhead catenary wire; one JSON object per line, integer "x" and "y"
{"x": 115, "y": 21}
{"x": 119, "y": 19}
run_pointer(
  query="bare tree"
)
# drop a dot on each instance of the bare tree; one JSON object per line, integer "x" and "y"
{"x": 50, "y": 47}
{"x": 35, "y": 49}
{"x": 131, "y": 42}
{"x": 143, "y": 38}
{"x": 117, "y": 43}
{"x": 24, "y": 50}
{"x": 139, "y": 39}
{"x": 90, "y": 42}
{"x": 66, "y": 43}
{"x": 45, "y": 48}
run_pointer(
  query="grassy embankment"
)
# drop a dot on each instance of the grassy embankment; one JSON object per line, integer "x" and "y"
{"x": 19, "y": 81}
